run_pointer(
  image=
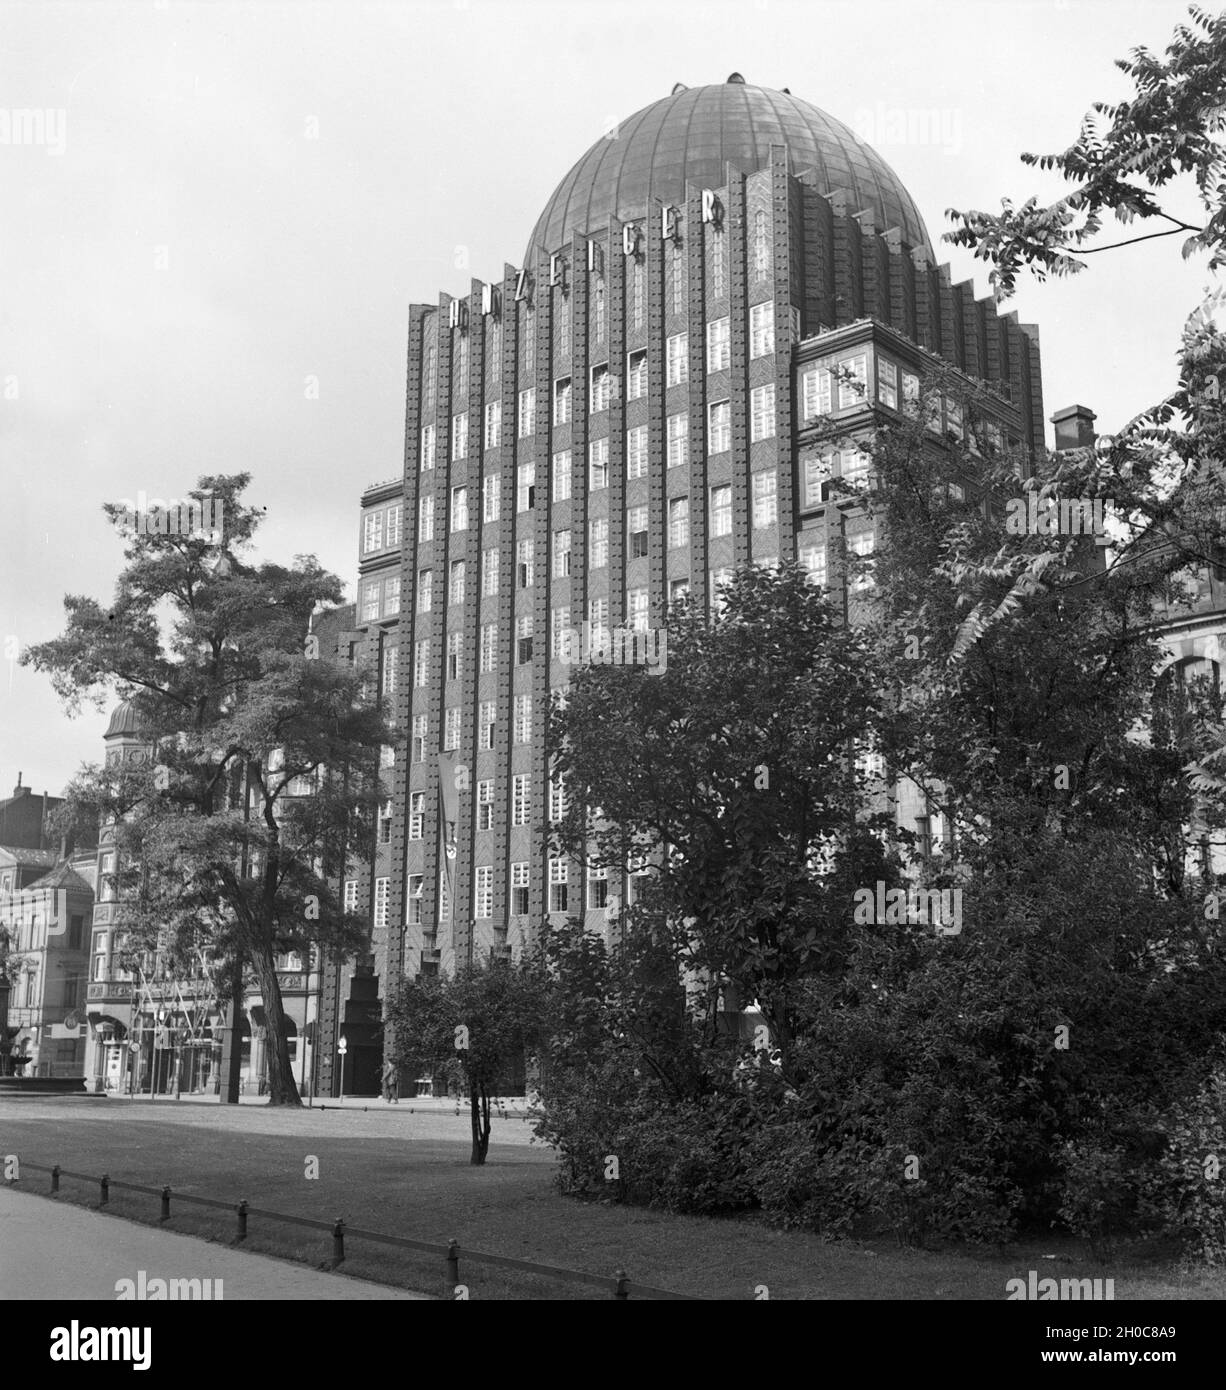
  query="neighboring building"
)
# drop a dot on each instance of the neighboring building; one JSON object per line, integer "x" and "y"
{"x": 25, "y": 820}
{"x": 624, "y": 420}
{"x": 180, "y": 1026}
{"x": 45, "y": 905}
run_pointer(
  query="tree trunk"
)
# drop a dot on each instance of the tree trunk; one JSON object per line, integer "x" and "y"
{"x": 282, "y": 1088}
{"x": 479, "y": 1107}
{"x": 234, "y": 1068}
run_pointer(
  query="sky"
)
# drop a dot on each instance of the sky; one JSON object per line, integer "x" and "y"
{"x": 209, "y": 243}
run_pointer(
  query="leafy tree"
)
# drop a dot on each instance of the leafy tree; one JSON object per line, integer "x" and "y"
{"x": 486, "y": 1017}
{"x": 262, "y": 771}
{"x": 733, "y": 772}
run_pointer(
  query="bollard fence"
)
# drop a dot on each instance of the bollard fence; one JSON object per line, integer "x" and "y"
{"x": 619, "y": 1284}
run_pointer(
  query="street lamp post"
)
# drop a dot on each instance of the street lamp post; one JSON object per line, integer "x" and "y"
{"x": 342, "y": 1047}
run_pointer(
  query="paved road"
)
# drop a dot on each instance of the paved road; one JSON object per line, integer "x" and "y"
{"x": 52, "y": 1250}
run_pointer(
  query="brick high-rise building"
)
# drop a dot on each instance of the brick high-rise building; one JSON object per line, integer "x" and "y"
{"x": 628, "y": 415}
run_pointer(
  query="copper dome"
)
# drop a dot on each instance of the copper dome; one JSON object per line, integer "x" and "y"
{"x": 688, "y": 136}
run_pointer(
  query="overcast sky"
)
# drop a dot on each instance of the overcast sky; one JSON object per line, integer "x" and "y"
{"x": 245, "y": 196}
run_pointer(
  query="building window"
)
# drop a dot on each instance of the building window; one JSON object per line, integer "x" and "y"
{"x": 427, "y": 447}
{"x": 815, "y": 392}
{"x": 491, "y": 496}
{"x": 719, "y": 579}
{"x": 489, "y": 647}
{"x": 391, "y": 596}
{"x": 678, "y": 590}
{"x": 459, "y": 509}
{"x": 520, "y": 799}
{"x": 519, "y": 890}
{"x": 597, "y": 889}
{"x": 636, "y": 527}
{"x": 385, "y": 823}
{"x": 636, "y": 375}
{"x": 381, "y": 886}
{"x": 483, "y": 905}
{"x": 420, "y": 728}
{"x": 719, "y": 262}
{"x": 417, "y": 814}
{"x": 598, "y": 464}
{"x": 521, "y": 728}
{"x": 387, "y": 755}
{"x": 598, "y": 622}
{"x": 636, "y": 293}
{"x": 636, "y": 610}
{"x": 558, "y": 873}
{"x": 818, "y": 469}
{"x": 764, "y": 495}
{"x": 719, "y": 345}
{"x": 459, "y": 436}
{"x": 561, "y": 476}
{"x": 887, "y": 382}
{"x": 486, "y": 718}
{"x": 391, "y": 655}
{"x": 636, "y": 452}
{"x": 557, "y": 799}
{"x": 561, "y": 401}
{"x": 523, "y": 639}
{"x": 559, "y": 626}
{"x": 678, "y": 277}
{"x": 493, "y": 424}
{"x": 561, "y": 554}
{"x": 598, "y": 543}
{"x": 860, "y": 545}
{"x": 425, "y": 590}
{"x": 853, "y": 467}
{"x": 350, "y": 901}
{"x": 485, "y": 805}
{"x": 393, "y": 523}
{"x": 761, "y": 245}
{"x": 462, "y": 366}
{"x": 525, "y": 563}
{"x": 762, "y": 413}
{"x": 489, "y": 573}
{"x": 455, "y": 659}
{"x": 678, "y": 359}
{"x": 527, "y": 412}
{"x": 853, "y": 381}
{"x": 721, "y": 511}
{"x": 421, "y": 662}
{"x": 762, "y": 329}
{"x": 910, "y": 391}
{"x": 813, "y": 558}
{"x": 719, "y": 427}
{"x": 602, "y": 388}
{"x": 599, "y": 307}
{"x": 444, "y": 898}
{"x": 451, "y": 728}
{"x": 370, "y": 601}
{"x": 425, "y": 518}
{"x": 678, "y": 522}
{"x": 525, "y": 490}
{"x": 678, "y": 440}
{"x": 457, "y": 581}
{"x": 413, "y": 902}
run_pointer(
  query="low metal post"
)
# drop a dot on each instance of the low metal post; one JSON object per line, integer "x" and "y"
{"x": 623, "y": 1280}
{"x": 241, "y": 1211}
{"x": 104, "y": 1184}
{"x": 338, "y": 1242}
{"x": 55, "y": 1178}
{"x": 166, "y": 1203}
{"x": 451, "y": 1275}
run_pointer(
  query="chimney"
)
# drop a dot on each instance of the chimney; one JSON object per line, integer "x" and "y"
{"x": 1074, "y": 427}
{"x": 19, "y": 790}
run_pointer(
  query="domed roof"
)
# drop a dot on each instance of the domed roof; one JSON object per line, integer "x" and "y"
{"x": 124, "y": 720}
{"x": 687, "y": 137}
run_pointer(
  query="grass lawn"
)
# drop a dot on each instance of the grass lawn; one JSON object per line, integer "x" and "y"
{"x": 408, "y": 1174}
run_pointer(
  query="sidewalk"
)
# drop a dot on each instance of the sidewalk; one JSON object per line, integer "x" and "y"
{"x": 514, "y": 1105}
{"x": 54, "y": 1250}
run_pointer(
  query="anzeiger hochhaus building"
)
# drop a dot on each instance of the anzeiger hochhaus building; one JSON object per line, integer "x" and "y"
{"x": 633, "y": 411}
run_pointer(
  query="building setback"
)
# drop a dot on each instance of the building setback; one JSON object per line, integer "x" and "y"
{"x": 626, "y": 417}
